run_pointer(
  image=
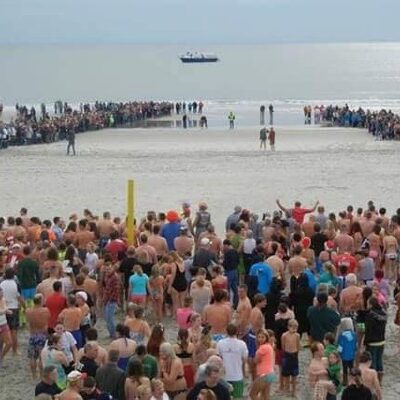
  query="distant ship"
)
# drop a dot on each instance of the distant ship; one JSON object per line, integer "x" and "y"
{"x": 198, "y": 57}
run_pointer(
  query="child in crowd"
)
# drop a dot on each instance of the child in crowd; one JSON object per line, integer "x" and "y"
{"x": 290, "y": 362}
{"x": 282, "y": 318}
{"x": 347, "y": 346}
{"x": 334, "y": 371}
{"x": 183, "y": 314}
{"x": 329, "y": 344}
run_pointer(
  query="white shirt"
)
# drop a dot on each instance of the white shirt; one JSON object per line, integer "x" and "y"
{"x": 233, "y": 352}
{"x": 164, "y": 397}
{"x": 11, "y": 294}
{"x": 67, "y": 341}
{"x": 249, "y": 245}
{"x": 91, "y": 261}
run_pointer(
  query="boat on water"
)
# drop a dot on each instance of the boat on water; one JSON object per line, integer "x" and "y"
{"x": 196, "y": 57}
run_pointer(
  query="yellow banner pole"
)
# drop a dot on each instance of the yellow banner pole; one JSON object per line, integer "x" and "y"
{"x": 131, "y": 212}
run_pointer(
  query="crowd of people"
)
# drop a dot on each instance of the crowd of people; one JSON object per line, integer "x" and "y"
{"x": 383, "y": 124}
{"x": 246, "y": 303}
{"x": 31, "y": 127}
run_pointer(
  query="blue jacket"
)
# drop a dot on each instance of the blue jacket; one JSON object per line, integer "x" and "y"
{"x": 263, "y": 272}
{"x": 347, "y": 345}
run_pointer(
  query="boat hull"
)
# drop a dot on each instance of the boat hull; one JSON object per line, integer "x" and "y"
{"x": 198, "y": 60}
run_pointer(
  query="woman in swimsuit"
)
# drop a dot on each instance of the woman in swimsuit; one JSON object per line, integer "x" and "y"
{"x": 172, "y": 373}
{"x": 177, "y": 284}
{"x": 135, "y": 379}
{"x": 184, "y": 350}
{"x": 139, "y": 329}
{"x": 156, "y": 340}
{"x": 125, "y": 346}
{"x": 156, "y": 285}
{"x": 196, "y": 328}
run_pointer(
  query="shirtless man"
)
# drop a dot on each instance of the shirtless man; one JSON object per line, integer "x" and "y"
{"x": 369, "y": 375}
{"x": 83, "y": 238}
{"x": 290, "y": 362}
{"x": 158, "y": 242}
{"x": 275, "y": 262}
{"x": 26, "y": 222}
{"x": 268, "y": 230}
{"x": 367, "y": 223}
{"x": 243, "y": 311}
{"x": 384, "y": 218}
{"x": 344, "y": 243}
{"x": 71, "y": 317}
{"x": 46, "y": 286}
{"x": 20, "y": 232}
{"x": 297, "y": 264}
{"x": 215, "y": 241}
{"x": 92, "y": 336}
{"x": 351, "y": 299}
{"x": 256, "y": 322}
{"x": 344, "y": 220}
{"x": 105, "y": 226}
{"x": 390, "y": 249}
{"x": 218, "y": 314}
{"x": 308, "y": 227}
{"x": 183, "y": 243}
{"x": 37, "y": 318}
{"x": 74, "y": 387}
{"x": 145, "y": 251}
{"x": 89, "y": 285}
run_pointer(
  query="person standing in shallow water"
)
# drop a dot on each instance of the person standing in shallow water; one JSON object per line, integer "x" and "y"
{"x": 231, "y": 118}
{"x": 271, "y": 114}
{"x": 262, "y": 115}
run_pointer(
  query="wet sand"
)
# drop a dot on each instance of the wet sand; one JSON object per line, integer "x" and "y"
{"x": 224, "y": 168}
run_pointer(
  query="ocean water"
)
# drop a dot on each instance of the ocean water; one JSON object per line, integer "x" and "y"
{"x": 247, "y": 76}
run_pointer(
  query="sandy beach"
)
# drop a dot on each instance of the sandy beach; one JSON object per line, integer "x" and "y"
{"x": 224, "y": 168}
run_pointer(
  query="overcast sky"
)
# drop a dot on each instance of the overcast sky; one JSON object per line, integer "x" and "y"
{"x": 198, "y": 21}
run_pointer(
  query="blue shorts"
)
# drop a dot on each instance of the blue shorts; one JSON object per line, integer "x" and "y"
{"x": 78, "y": 337}
{"x": 250, "y": 340}
{"x": 269, "y": 378}
{"x": 290, "y": 364}
{"x": 28, "y": 294}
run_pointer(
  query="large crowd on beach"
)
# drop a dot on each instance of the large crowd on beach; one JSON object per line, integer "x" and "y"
{"x": 246, "y": 301}
{"x": 383, "y": 124}
{"x": 31, "y": 126}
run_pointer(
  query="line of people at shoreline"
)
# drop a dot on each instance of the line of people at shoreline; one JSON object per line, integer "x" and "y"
{"x": 383, "y": 124}
{"x": 30, "y": 128}
{"x": 245, "y": 302}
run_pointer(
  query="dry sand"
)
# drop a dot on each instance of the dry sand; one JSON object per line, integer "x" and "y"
{"x": 225, "y": 168}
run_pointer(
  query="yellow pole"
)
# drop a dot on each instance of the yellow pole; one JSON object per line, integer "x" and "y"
{"x": 131, "y": 212}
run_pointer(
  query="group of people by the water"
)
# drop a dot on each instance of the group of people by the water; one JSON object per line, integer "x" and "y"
{"x": 383, "y": 124}
{"x": 183, "y": 107}
{"x": 31, "y": 127}
{"x": 246, "y": 302}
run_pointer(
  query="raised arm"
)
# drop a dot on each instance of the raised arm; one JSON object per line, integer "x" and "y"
{"x": 315, "y": 206}
{"x": 278, "y": 203}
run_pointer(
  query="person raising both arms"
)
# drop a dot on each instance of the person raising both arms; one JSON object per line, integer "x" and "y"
{"x": 298, "y": 212}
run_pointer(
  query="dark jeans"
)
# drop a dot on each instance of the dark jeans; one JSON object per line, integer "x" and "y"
{"x": 233, "y": 285}
{"x": 377, "y": 355}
